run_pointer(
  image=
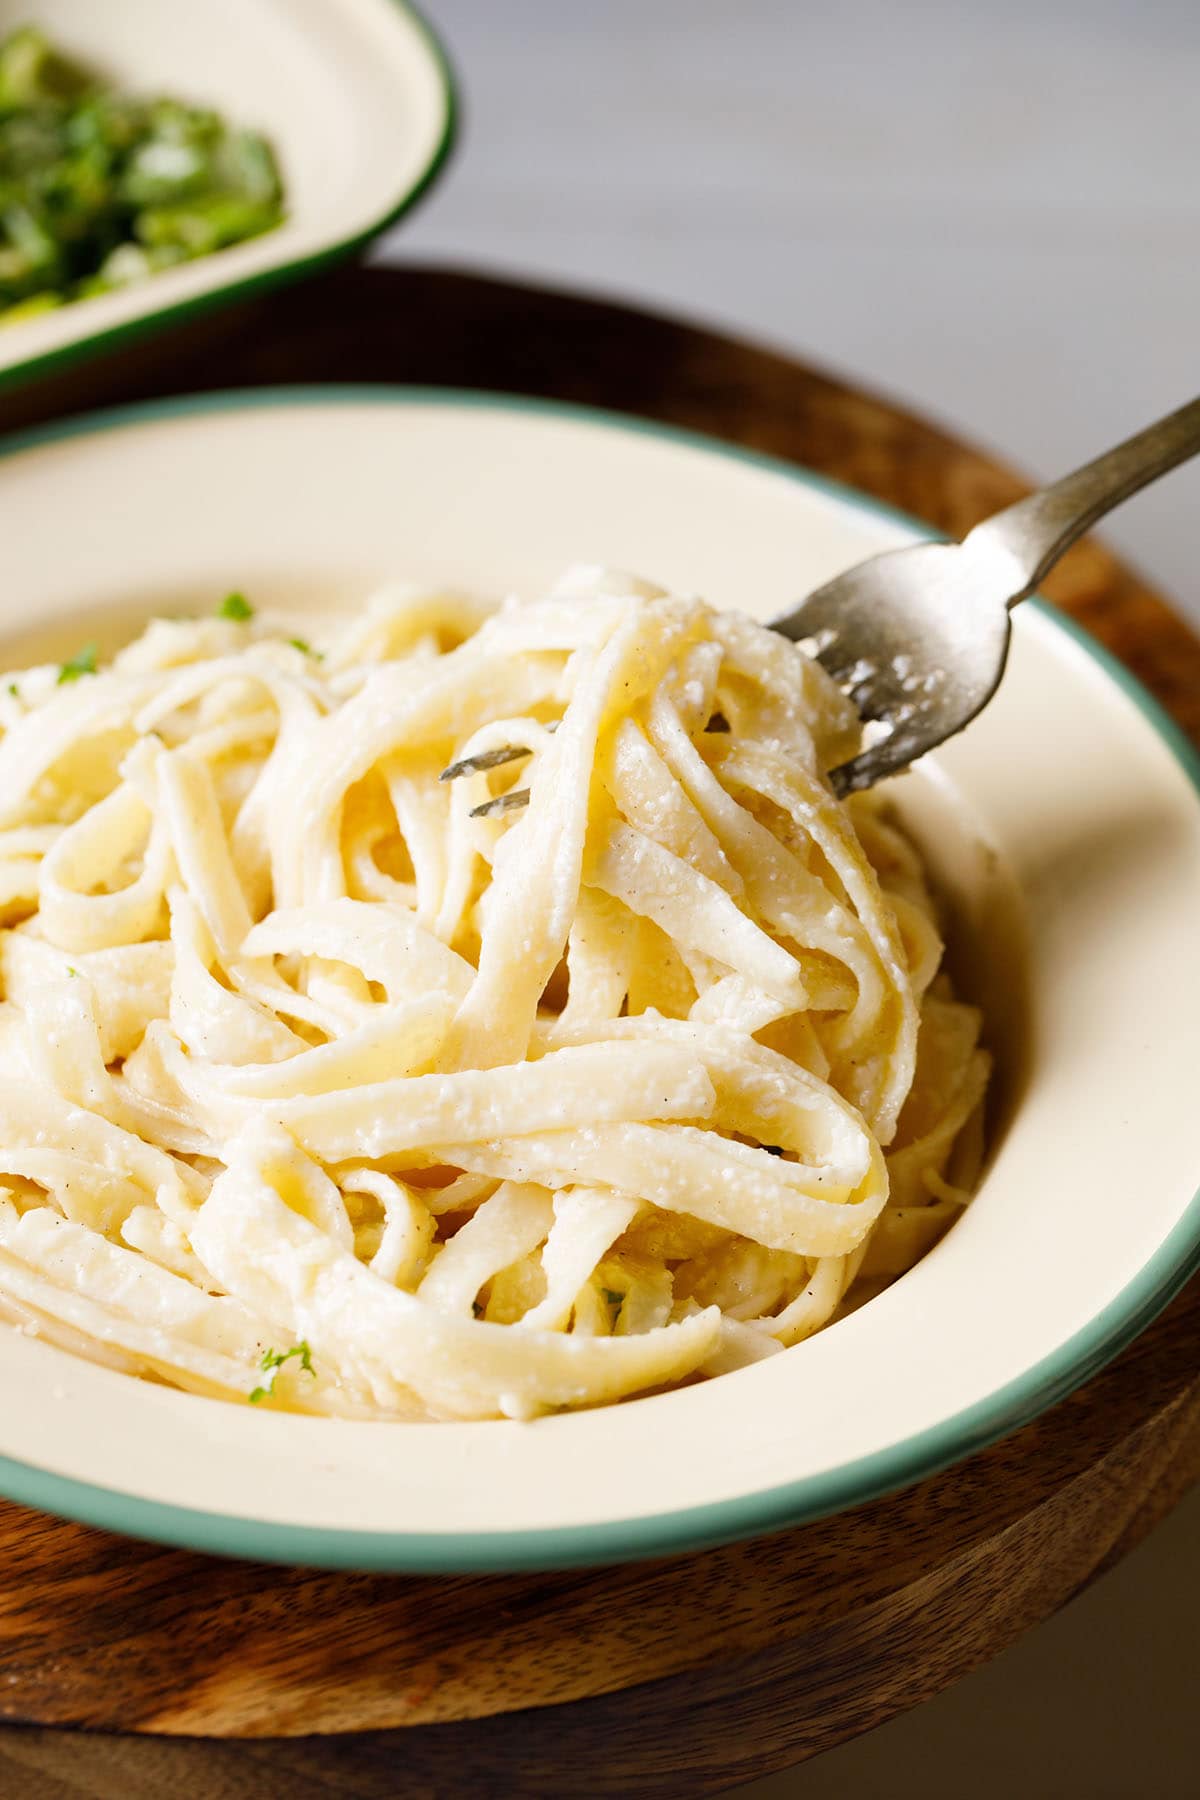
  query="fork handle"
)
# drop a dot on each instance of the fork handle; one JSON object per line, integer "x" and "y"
{"x": 1037, "y": 530}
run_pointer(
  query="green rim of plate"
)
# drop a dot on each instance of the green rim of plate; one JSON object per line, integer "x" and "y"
{"x": 115, "y": 337}
{"x": 691, "y": 1528}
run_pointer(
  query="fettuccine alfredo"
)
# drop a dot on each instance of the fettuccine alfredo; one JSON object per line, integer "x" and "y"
{"x": 480, "y": 1010}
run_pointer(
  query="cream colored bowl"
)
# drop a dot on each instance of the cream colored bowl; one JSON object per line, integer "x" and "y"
{"x": 355, "y": 96}
{"x": 1066, "y": 821}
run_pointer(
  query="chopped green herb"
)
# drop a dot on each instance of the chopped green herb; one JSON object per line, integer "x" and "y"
{"x": 613, "y": 1298}
{"x": 71, "y": 971}
{"x": 274, "y": 1361}
{"x": 100, "y": 188}
{"x": 14, "y": 690}
{"x": 235, "y": 606}
{"x": 302, "y": 645}
{"x": 83, "y": 664}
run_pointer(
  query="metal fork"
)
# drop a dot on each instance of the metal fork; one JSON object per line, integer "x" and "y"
{"x": 918, "y": 637}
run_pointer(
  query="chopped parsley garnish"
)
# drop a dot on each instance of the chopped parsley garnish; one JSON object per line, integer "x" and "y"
{"x": 73, "y": 972}
{"x": 274, "y": 1361}
{"x": 302, "y": 645}
{"x": 14, "y": 690}
{"x": 613, "y": 1298}
{"x": 235, "y": 606}
{"x": 83, "y": 664}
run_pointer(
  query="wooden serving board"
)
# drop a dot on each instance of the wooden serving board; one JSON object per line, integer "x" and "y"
{"x": 681, "y": 1676}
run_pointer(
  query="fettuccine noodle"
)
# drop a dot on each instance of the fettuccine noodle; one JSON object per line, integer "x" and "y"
{"x": 486, "y": 1012}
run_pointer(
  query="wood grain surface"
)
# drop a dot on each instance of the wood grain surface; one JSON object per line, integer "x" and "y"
{"x": 669, "y": 1678}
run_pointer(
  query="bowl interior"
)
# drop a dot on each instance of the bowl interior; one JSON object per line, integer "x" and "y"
{"x": 1064, "y": 825}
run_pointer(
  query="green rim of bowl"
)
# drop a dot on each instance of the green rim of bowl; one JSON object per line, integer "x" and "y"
{"x": 115, "y": 337}
{"x": 691, "y": 1528}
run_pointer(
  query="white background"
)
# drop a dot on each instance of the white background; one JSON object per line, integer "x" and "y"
{"x": 990, "y": 210}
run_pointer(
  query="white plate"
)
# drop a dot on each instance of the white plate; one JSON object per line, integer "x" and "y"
{"x": 1066, "y": 819}
{"x": 355, "y": 96}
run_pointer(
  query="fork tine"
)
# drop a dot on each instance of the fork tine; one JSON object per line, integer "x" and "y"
{"x": 501, "y": 804}
{"x": 849, "y": 777}
{"x": 810, "y": 626}
{"x": 890, "y": 751}
{"x": 484, "y": 760}
{"x": 836, "y": 664}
